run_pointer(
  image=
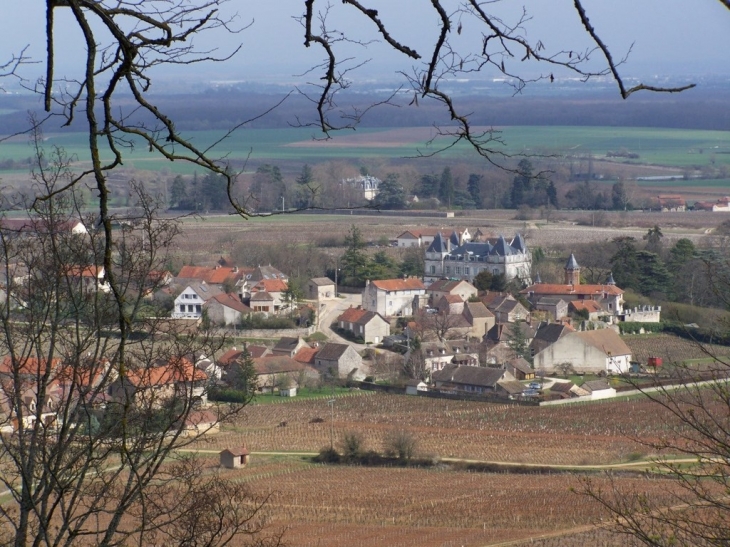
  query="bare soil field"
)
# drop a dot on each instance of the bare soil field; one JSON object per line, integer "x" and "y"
{"x": 670, "y": 348}
{"x": 331, "y": 506}
{"x": 203, "y": 240}
{"x": 568, "y": 435}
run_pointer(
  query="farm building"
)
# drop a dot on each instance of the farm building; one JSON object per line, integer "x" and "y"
{"x": 234, "y": 458}
{"x": 414, "y": 386}
{"x": 320, "y": 288}
{"x": 589, "y": 351}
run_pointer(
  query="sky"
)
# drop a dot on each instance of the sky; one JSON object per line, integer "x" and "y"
{"x": 674, "y": 38}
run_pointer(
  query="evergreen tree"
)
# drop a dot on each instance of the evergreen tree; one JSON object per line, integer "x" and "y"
{"x": 517, "y": 340}
{"x": 619, "y": 199}
{"x": 653, "y": 239}
{"x": 624, "y": 263}
{"x": 178, "y": 192}
{"x": 428, "y": 186}
{"x": 521, "y": 184}
{"x": 474, "y": 187}
{"x": 242, "y": 374}
{"x": 446, "y": 187}
{"x": 652, "y": 273}
{"x": 552, "y": 194}
{"x": 391, "y": 194}
{"x": 306, "y": 177}
{"x": 354, "y": 261}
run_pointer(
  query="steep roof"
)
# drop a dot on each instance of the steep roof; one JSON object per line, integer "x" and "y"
{"x": 332, "y": 351}
{"x": 477, "y": 309}
{"x": 205, "y": 291}
{"x": 605, "y": 340}
{"x": 551, "y": 332}
{"x": 408, "y": 284}
{"x": 572, "y": 263}
{"x": 270, "y": 285}
{"x": 306, "y": 355}
{"x": 277, "y": 364}
{"x": 518, "y": 243}
{"x": 438, "y": 245}
{"x": 522, "y": 365}
{"x": 502, "y": 248}
{"x": 230, "y": 301}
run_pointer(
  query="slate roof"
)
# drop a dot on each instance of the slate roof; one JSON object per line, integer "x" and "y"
{"x": 444, "y": 285}
{"x": 550, "y": 301}
{"x": 287, "y": 343}
{"x": 205, "y": 291}
{"x": 572, "y": 263}
{"x": 571, "y": 290}
{"x": 466, "y": 375}
{"x": 512, "y": 387}
{"x": 596, "y": 385}
{"x": 322, "y": 281}
{"x": 410, "y": 283}
{"x": 438, "y": 245}
{"x": 332, "y": 351}
{"x": 551, "y": 332}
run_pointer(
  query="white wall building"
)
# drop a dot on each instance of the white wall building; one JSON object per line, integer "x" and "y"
{"x": 390, "y": 297}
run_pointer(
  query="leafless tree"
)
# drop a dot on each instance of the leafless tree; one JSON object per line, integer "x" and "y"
{"x": 97, "y": 394}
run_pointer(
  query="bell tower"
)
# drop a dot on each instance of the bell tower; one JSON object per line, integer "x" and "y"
{"x": 572, "y": 271}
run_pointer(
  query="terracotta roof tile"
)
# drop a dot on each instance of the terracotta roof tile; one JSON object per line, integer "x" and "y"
{"x": 410, "y": 283}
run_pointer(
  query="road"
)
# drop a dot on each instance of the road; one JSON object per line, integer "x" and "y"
{"x": 330, "y": 310}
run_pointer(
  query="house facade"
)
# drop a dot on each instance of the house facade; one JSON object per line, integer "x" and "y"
{"x": 423, "y": 237}
{"x": 321, "y": 288}
{"x": 189, "y": 303}
{"x": 469, "y": 380}
{"x": 590, "y": 351}
{"x": 394, "y": 297}
{"x": 448, "y": 287}
{"x": 368, "y": 325}
{"x": 339, "y": 359}
{"x": 226, "y": 309}
{"x": 445, "y": 257}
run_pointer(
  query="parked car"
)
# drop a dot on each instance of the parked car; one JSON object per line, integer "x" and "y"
{"x": 534, "y": 385}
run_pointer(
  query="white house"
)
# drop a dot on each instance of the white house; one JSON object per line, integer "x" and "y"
{"x": 590, "y": 351}
{"x": 390, "y": 297}
{"x": 189, "y": 303}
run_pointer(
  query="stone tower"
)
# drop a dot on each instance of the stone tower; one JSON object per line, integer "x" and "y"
{"x": 572, "y": 271}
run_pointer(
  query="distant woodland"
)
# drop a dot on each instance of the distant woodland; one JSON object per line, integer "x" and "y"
{"x": 221, "y": 108}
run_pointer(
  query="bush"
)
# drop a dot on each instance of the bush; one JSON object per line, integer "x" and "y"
{"x": 352, "y": 444}
{"x": 400, "y": 444}
{"x": 327, "y": 455}
{"x": 260, "y": 321}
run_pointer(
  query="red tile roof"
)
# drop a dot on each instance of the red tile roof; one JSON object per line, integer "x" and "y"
{"x": 352, "y": 315}
{"x": 270, "y": 285}
{"x": 590, "y": 305}
{"x": 176, "y": 370}
{"x": 410, "y": 283}
{"x": 586, "y": 290}
{"x": 306, "y": 355}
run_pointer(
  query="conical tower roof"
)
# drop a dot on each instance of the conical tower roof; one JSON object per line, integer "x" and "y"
{"x": 438, "y": 245}
{"x": 572, "y": 263}
{"x": 610, "y": 280}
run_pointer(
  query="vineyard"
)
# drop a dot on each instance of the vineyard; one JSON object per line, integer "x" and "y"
{"x": 583, "y": 434}
{"x": 333, "y": 506}
{"x": 670, "y": 348}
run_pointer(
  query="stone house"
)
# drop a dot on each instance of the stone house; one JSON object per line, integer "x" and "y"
{"x": 555, "y": 306}
{"x": 507, "y": 310}
{"x": 423, "y": 237}
{"x": 226, "y": 309}
{"x": 234, "y": 458}
{"x": 520, "y": 369}
{"x": 479, "y": 317}
{"x": 394, "y": 297}
{"x": 450, "y": 304}
{"x": 547, "y": 334}
{"x": 274, "y": 372}
{"x": 321, "y": 288}
{"x": 443, "y": 287}
{"x": 588, "y": 351}
{"x": 368, "y": 325}
{"x": 339, "y": 360}
{"x": 469, "y": 380}
{"x": 289, "y": 346}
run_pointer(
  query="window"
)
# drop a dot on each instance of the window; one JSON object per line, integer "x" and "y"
{"x": 198, "y": 308}
{"x": 457, "y": 270}
{"x": 495, "y": 271}
{"x": 466, "y": 271}
{"x": 432, "y": 269}
{"x": 182, "y": 308}
{"x": 190, "y": 308}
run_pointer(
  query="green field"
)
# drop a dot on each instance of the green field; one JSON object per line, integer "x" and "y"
{"x": 669, "y": 147}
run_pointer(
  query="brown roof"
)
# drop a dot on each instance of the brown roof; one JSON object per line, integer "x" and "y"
{"x": 562, "y": 387}
{"x": 522, "y": 365}
{"x": 605, "y": 340}
{"x": 512, "y": 387}
{"x": 446, "y": 285}
{"x": 276, "y": 364}
{"x": 228, "y": 357}
{"x": 452, "y": 298}
{"x": 466, "y": 375}
{"x": 217, "y": 275}
{"x": 257, "y": 351}
{"x": 478, "y": 309}
{"x": 410, "y": 283}
{"x": 262, "y": 296}
{"x": 332, "y": 351}
{"x": 231, "y": 301}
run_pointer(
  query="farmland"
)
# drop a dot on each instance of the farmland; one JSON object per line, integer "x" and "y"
{"x": 322, "y": 505}
{"x": 677, "y": 148}
{"x": 670, "y": 348}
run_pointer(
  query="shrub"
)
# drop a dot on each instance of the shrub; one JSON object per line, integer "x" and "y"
{"x": 352, "y": 444}
{"x": 327, "y": 455}
{"x": 400, "y": 444}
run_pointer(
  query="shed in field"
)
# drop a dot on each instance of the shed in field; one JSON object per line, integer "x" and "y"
{"x": 234, "y": 458}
